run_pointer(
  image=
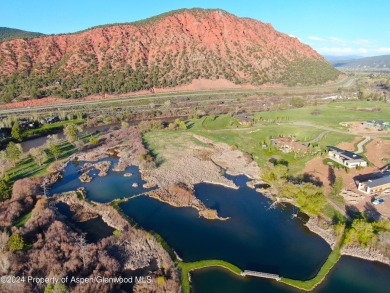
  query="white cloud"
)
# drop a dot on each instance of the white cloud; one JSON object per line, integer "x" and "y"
{"x": 337, "y": 41}
{"x": 342, "y": 50}
{"x": 362, "y": 42}
{"x": 314, "y": 38}
{"x": 383, "y": 50}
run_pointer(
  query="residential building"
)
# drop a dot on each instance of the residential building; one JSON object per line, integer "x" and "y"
{"x": 376, "y": 185}
{"x": 346, "y": 158}
{"x": 244, "y": 120}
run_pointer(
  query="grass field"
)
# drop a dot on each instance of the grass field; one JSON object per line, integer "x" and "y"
{"x": 28, "y": 168}
{"x": 50, "y": 128}
{"x": 186, "y": 268}
{"x": 309, "y": 285}
{"x": 333, "y": 113}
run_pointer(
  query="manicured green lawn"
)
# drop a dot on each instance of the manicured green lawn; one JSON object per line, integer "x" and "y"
{"x": 28, "y": 168}
{"x": 49, "y": 128}
{"x": 309, "y": 285}
{"x": 333, "y": 113}
{"x": 186, "y": 268}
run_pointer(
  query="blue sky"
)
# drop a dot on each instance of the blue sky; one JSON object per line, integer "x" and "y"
{"x": 332, "y": 27}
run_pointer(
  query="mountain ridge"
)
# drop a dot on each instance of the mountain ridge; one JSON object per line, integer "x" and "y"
{"x": 7, "y": 33}
{"x": 163, "y": 51}
{"x": 366, "y": 63}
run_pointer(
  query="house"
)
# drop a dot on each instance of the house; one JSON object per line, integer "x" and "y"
{"x": 373, "y": 186}
{"x": 244, "y": 120}
{"x": 284, "y": 144}
{"x": 379, "y": 124}
{"x": 346, "y": 158}
{"x": 52, "y": 119}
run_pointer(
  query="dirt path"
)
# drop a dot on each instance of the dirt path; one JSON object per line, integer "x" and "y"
{"x": 339, "y": 209}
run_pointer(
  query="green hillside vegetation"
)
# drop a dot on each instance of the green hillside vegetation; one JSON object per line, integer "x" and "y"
{"x": 153, "y": 19}
{"x": 308, "y": 72}
{"x": 12, "y": 33}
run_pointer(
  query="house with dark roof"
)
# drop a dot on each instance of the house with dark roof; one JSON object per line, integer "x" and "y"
{"x": 244, "y": 120}
{"x": 346, "y": 158}
{"x": 373, "y": 186}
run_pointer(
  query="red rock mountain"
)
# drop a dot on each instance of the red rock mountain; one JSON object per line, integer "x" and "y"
{"x": 166, "y": 50}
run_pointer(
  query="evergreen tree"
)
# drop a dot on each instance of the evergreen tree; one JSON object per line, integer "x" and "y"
{"x": 13, "y": 152}
{"x": 16, "y": 132}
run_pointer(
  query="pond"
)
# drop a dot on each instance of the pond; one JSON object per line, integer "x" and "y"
{"x": 94, "y": 229}
{"x": 258, "y": 236}
{"x": 101, "y": 189}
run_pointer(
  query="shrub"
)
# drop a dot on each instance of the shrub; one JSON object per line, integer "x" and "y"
{"x": 15, "y": 242}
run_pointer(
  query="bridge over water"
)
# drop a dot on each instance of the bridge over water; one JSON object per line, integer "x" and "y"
{"x": 260, "y": 275}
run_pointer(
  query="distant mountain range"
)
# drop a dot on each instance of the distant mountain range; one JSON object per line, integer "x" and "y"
{"x": 367, "y": 63}
{"x": 331, "y": 58}
{"x": 167, "y": 50}
{"x": 7, "y": 33}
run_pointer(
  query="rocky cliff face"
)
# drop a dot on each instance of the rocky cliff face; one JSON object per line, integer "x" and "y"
{"x": 167, "y": 50}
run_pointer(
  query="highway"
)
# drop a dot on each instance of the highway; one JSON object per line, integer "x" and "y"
{"x": 346, "y": 82}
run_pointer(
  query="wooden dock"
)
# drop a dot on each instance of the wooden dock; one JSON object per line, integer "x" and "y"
{"x": 260, "y": 275}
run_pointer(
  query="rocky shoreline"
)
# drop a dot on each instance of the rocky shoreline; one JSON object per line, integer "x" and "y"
{"x": 364, "y": 253}
{"x": 352, "y": 250}
{"x": 211, "y": 159}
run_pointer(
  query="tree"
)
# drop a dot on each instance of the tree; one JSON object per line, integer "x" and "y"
{"x": 13, "y": 152}
{"x": 5, "y": 165}
{"x": 124, "y": 124}
{"x": 3, "y": 241}
{"x": 16, "y": 131}
{"x": 38, "y": 155}
{"x": 82, "y": 244}
{"x": 57, "y": 288}
{"x": 55, "y": 151}
{"x": 52, "y": 144}
{"x": 15, "y": 242}
{"x": 337, "y": 186}
{"x": 93, "y": 140}
{"x": 297, "y": 102}
{"x": 361, "y": 231}
{"x": 5, "y": 191}
{"x": 177, "y": 124}
{"x": 273, "y": 173}
{"x": 311, "y": 198}
{"x": 72, "y": 132}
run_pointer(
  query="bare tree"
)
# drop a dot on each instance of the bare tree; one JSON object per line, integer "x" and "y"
{"x": 3, "y": 241}
{"x": 82, "y": 244}
{"x": 38, "y": 155}
{"x": 5, "y": 165}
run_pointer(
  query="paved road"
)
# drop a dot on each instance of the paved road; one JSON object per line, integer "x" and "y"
{"x": 360, "y": 145}
{"x": 317, "y": 139}
{"x": 346, "y": 82}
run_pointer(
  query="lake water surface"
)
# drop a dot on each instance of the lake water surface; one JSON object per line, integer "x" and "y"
{"x": 256, "y": 236}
